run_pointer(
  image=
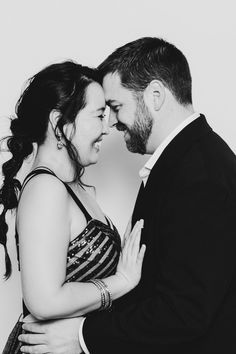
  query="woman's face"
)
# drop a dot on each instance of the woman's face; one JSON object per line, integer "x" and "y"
{"x": 90, "y": 126}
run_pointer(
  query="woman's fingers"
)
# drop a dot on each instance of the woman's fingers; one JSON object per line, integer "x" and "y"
{"x": 135, "y": 237}
{"x": 132, "y": 255}
{"x": 128, "y": 229}
{"x": 129, "y": 242}
{"x": 141, "y": 255}
{"x": 131, "y": 233}
{"x": 136, "y": 240}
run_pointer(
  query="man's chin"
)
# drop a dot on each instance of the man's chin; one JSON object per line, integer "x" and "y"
{"x": 135, "y": 148}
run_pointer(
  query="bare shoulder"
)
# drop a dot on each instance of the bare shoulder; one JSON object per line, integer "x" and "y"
{"x": 43, "y": 189}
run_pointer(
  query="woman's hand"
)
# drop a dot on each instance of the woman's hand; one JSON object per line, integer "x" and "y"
{"x": 131, "y": 258}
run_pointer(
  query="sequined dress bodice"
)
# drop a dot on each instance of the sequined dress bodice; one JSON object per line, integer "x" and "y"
{"x": 94, "y": 253}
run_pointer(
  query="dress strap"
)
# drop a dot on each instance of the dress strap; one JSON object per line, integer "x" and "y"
{"x": 35, "y": 172}
{"x": 78, "y": 202}
{"x": 109, "y": 222}
{"x": 41, "y": 170}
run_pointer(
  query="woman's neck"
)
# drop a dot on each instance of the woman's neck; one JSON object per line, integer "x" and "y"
{"x": 56, "y": 160}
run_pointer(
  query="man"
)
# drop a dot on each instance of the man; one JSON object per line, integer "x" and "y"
{"x": 186, "y": 300}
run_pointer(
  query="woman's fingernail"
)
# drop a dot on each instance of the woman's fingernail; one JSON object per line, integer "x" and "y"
{"x": 141, "y": 223}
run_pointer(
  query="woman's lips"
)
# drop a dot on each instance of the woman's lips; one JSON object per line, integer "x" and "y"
{"x": 98, "y": 144}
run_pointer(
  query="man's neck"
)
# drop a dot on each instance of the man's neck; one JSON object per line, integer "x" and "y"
{"x": 166, "y": 124}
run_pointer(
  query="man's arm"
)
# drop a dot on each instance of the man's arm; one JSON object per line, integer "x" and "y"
{"x": 57, "y": 336}
{"x": 197, "y": 261}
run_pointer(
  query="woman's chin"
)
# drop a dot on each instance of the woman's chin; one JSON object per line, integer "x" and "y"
{"x": 92, "y": 161}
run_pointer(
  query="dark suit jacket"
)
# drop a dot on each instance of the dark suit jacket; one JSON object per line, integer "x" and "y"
{"x": 186, "y": 300}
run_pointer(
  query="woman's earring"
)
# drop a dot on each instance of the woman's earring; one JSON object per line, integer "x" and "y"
{"x": 59, "y": 142}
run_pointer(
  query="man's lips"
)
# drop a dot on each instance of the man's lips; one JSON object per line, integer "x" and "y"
{"x": 121, "y": 127}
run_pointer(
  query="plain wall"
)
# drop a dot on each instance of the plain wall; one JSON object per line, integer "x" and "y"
{"x": 34, "y": 34}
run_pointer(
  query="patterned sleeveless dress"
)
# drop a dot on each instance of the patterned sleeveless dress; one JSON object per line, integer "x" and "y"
{"x": 94, "y": 253}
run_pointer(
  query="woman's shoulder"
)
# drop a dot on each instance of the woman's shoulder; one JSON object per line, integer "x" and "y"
{"x": 46, "y": 188}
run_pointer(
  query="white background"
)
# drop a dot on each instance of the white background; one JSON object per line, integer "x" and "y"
{"x": 34, "y": 34}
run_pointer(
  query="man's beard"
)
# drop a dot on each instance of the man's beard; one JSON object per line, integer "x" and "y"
{"x": 140, "y": 132}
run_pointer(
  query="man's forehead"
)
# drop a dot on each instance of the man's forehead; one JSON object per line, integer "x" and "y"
{"x": 111, "y": 80}
{"x": 112, "y": 87}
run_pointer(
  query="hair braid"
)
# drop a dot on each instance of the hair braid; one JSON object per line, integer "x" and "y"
{"x": 20, "y": 148}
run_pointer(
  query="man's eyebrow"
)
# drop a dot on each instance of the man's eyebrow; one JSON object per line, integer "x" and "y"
{"x": 110, "y": 102}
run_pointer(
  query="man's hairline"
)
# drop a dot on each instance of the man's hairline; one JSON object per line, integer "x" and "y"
{"x": 133, "y": 91}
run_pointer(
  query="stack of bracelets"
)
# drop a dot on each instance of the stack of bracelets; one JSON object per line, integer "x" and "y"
{"x": 106, "y": 299}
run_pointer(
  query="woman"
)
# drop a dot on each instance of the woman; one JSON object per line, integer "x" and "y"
{"x": 69, "y": 251}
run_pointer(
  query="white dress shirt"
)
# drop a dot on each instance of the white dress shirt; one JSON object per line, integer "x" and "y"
{"x": 144, "y": 174}
{"x": 145, "y": 171}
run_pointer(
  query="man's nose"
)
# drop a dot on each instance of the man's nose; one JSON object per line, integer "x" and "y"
{"x": 112, "y": 120}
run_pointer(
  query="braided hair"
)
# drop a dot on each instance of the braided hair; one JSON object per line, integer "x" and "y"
{"x": 60, "y": 87}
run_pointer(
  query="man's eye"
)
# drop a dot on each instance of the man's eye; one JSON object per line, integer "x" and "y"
{"x": 102, "y": 116}
{"x": 115, "y": 108}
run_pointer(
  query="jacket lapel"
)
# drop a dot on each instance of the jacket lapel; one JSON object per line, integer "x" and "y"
{"x": 149, "y": 198}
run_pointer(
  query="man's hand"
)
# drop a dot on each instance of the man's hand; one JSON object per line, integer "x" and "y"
{"x": 54, "y": 337}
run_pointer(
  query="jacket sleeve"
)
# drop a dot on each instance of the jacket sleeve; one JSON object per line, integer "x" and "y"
{"x": 197, "y": 261}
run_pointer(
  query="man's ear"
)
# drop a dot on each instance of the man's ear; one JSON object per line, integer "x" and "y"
{"x": 154, "y": 95}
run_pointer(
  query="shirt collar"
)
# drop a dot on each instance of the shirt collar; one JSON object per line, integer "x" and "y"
{"x": 145, "y": 171}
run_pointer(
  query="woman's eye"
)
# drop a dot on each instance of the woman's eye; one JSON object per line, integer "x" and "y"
{"x": 102, "y": 116}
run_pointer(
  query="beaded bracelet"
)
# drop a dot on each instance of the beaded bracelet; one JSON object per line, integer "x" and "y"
{"x": 106, "y": 298}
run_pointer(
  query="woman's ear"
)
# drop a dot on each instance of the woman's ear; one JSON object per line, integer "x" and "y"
{"x": 68, "y": 128}
{"x": 53, "y": 119}
{"x": 154, "y": 95}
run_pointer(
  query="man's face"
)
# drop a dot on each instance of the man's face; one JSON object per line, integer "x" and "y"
{"x": 128, "y": 113}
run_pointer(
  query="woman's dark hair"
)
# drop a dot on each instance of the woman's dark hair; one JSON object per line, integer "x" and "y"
{"x": 149, "y": 58}
{"x": 61, "y": 87}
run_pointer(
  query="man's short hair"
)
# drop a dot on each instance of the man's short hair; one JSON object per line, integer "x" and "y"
{"x": 150, "y": 58}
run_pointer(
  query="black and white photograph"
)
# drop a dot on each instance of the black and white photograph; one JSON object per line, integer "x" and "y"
{"x": 117, "y": 177}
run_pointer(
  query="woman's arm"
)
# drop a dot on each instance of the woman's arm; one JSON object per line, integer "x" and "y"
{"x": 44, "y": 234}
